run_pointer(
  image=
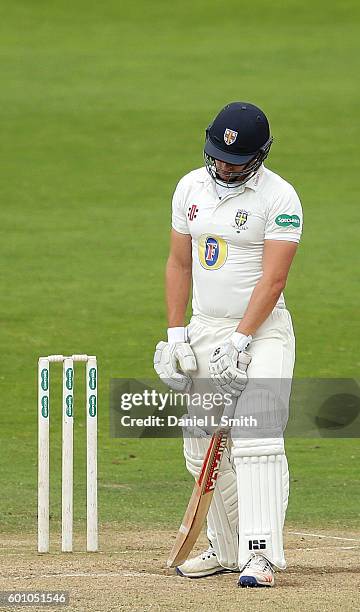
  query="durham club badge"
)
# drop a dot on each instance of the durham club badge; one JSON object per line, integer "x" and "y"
{"x": 241, "y": 218}
{"x": 230, "y": 136}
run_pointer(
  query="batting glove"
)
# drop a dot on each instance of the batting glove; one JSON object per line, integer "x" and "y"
{"x": 228, "y": 365}
{"x": 172, "y": 355}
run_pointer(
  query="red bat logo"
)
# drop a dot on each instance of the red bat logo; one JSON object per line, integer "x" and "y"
{"x": 220, "y": 443}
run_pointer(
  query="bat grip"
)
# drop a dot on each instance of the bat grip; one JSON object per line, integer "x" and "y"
{"x": 228, "y": 412}
{"x": 229, "y": 409}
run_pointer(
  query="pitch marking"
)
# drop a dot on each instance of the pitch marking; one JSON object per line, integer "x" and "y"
{"x": 319, "y": 535}
{"x": 93, "y": 575}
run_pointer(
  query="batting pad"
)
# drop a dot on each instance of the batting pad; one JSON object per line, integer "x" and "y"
{"x": 262, "y": 479}
{"x": 222, "y": 519}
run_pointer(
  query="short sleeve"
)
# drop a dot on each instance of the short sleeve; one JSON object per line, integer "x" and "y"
{"x": 285, "y": 218}
{"x": 179, "y": 218}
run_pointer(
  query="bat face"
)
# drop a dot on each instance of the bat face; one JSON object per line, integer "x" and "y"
{"x": 200, "y": 501}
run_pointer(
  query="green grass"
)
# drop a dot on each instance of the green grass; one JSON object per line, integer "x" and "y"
{"x": 144, "y": 482}
{"x": 103, "y": 108}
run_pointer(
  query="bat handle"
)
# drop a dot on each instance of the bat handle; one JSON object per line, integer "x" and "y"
{"x": 228, "y": 413}
{"x": 230, "y": 408}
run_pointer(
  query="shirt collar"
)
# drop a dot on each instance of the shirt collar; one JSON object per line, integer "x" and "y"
{"x": 255, "y": 180}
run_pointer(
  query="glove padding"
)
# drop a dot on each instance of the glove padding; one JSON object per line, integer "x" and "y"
{"x": 166, "y": 359}
{"x": 228, "y": 367}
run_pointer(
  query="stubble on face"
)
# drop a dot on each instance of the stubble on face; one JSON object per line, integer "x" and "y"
{"x": 228, "y": 172}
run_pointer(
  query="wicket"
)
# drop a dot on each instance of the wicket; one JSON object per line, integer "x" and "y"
{"x": 67, "y": 451}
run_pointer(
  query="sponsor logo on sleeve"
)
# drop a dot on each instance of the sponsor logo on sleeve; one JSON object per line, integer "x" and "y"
{"x": 288, "y": 220}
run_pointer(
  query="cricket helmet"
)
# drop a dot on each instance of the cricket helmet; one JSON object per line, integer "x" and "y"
{"x": 239, "y": 135}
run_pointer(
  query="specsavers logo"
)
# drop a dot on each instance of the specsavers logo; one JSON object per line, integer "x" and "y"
{"x": 69, "y": 405}
{"x": 45, "y": 406}
{"x": 213, "y": 251}
{"x": 288, "y": 220}
{"x": 45, "y": 379}
{"x": 92, "y": 405}
{"x": 69, "y": 380}
{"x": 92, "y": 379}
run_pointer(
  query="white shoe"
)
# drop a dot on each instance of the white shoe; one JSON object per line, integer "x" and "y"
{"x": 203, "y": 565}
{"x": 258, "y": 572}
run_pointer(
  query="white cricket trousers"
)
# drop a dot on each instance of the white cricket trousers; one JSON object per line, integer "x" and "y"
{"x": 267, "y": 396}
{"x": 272, "y": 350}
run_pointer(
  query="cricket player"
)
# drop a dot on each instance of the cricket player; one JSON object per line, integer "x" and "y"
{"x": 236, "y": 226}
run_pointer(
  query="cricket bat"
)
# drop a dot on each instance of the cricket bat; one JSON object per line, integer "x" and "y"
{"x": 200, "y": 500}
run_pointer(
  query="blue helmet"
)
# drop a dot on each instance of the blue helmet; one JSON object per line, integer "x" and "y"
{"x": 239, "y": 135}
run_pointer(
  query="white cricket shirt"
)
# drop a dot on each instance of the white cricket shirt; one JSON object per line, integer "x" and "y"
{"x": 228, "y": 235}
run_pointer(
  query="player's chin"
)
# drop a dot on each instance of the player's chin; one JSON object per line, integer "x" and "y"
{"x": 227, "y": 178}
{"x": 231, "y": 181}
